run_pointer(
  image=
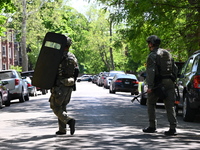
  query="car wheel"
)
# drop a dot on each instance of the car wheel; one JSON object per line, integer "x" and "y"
{"x": 176, "y": 108}
{"x": 112, "y": 92}
{"x": 26, "y": 97}
{"x": 43, "y": 91}
{"x": 35, "y": 92}
{"x": 132, "y": 93}
{"x": 7, "y": 103}
{"x": 21, "y": 98}
{"x": 143, "y": 100}
{"x": 188, "y": 113}
{"x": 1, "y": 102}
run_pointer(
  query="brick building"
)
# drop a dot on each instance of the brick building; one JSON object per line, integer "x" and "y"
{"x": 9, "y": 50}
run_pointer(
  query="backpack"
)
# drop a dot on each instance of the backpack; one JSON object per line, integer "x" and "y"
{"x": 166, "y": 67}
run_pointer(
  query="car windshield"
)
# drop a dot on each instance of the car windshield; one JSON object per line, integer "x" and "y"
{"x": 112, "y": 74}
{"x": 6, "y": 75}
{"x": 131, "y": 76}
{"x": 85, "y": 76}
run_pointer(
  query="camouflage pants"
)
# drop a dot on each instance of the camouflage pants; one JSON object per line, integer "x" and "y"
{"x": 169, "y": 105}
{"x": 60, "y": 97}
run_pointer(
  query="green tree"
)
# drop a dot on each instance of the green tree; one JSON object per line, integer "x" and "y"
{"x": 6, "y": 7}
{"x": 38, "y": 14}
{"x": 26, "y": 11}
{"x": 176, "y": 22}
{"x": 68, "y": 21}
{"x": 106, "y": 51}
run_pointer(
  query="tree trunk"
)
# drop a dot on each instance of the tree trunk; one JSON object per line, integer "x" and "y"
{"x": 23, "y": 39}
{"x": 111, "y": 52}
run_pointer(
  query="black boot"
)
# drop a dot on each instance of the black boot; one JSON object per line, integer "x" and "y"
{"x": 71, "y": 124}
{"x": 149, "y": 130}
{"x": 171, "y": 132}
{"x": 60, "y": 133}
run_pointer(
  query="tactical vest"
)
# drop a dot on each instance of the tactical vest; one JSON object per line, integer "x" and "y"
{"x": 166, "y": 67}
{"x": 67, "y": 65}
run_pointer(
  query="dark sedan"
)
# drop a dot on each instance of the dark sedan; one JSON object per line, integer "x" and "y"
{"x": 124, "y": 83}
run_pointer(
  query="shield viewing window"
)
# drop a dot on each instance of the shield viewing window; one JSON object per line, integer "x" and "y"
{"x": 53, "y": 45}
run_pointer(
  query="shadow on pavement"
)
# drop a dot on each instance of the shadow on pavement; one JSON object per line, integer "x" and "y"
{"x": 102, "y": 122}
{"x": 104, "y": 139}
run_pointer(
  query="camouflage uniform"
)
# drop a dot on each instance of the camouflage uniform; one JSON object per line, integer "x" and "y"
{"x": 61, "y": 92}
{"x": 152, "y": 98}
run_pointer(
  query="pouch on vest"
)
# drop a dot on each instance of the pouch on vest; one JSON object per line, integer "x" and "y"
{"x": 68, "y": 81}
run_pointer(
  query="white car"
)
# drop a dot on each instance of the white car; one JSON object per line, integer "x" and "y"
{"x": 17, "y": 87}
{"x": 31, "y": 89}
{"x": 84, "y": 78}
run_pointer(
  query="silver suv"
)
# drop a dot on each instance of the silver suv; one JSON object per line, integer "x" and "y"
{"x": 17, "y": 87}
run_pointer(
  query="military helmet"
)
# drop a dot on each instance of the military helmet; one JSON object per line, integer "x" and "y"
{"x": 69, "y": 41}
{"x": 155, "y": 40}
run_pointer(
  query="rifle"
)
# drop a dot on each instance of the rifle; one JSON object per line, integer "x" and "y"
{"x": 159, "y": 90}
{"x": 76, "y": 72}
{"x": 177, "y": 101}
{"x": 136, "y": 97}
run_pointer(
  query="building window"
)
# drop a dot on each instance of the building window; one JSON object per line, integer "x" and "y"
{"x": 4, "y": 67}
{"x": 10, "y": 52}
{"x": 4, "y": 51}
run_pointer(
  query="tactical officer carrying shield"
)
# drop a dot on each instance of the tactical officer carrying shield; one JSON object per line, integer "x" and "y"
{"x": 161, "y": 74}
{"x": 61, "y": 91}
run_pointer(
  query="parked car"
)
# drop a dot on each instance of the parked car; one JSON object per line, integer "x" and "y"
{"x": 124, "y": 83}
{"x": 32, "y": 90}
{"x": 109, "y": 78}
{"x": 98, "y": 78}
{"x": 94, "y": 79}
{"x": 31, "y": 87}
{"x": 101, "y": 78}
{"x": 84, "y": 78}
{"x": 4, "y": 94}
{"x": 17, "y": 87}
{"x": 144, "y": 87}
{"x": 189, "y": 87}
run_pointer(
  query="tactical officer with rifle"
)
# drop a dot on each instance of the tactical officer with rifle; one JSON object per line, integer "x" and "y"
{"x": 161, "y": 75}
{"x": 61, "y": 91}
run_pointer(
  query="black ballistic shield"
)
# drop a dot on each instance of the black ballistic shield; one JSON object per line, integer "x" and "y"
{"x": 48, "y": 60}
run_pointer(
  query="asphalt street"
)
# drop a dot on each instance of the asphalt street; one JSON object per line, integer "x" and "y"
{"x": 104, "y": 121}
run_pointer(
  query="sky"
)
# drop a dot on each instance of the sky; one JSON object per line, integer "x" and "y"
{"x": 80, "y": 5}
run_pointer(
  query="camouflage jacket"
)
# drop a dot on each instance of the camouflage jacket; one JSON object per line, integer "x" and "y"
{"x": 151, "y": 68}
{"x": 67, "y": 69}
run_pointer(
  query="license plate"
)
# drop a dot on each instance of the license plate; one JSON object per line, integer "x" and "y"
{"x": 127, "y": 82}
